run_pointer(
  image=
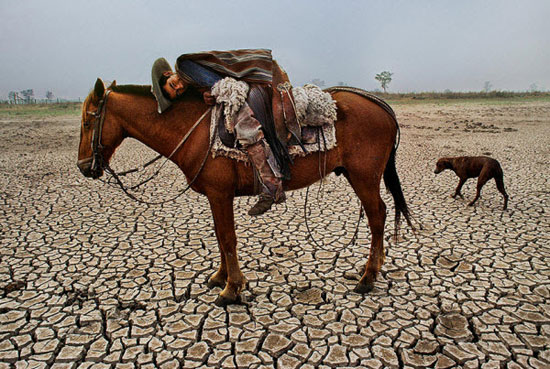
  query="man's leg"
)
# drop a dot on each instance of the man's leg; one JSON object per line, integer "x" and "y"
{"x": 272, "y": 187}
{"x": 250, "y": 136}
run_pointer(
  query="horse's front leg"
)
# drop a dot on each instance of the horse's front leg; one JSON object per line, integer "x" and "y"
{"x": 229, "y": 273}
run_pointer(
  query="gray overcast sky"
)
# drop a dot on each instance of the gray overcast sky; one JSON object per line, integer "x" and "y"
{"x": 429, "y": 45}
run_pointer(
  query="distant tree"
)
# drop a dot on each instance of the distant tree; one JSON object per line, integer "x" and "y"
{"x": 318, "y": 82}
{"x": 533, "y": 87}
{"x": 28, "y": 95}
{"x": 13, "y": 97}
{"x": 384, "y": 78}
{"x": 487, "y": 86}
{"x": 49, "y": 95}
{"x": 342, "y": 83}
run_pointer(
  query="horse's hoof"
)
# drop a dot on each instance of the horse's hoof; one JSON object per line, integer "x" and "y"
{"x": 363, "y": 288}
{"x": 224, "y": 301}
{"x": 212, "y": 283}
{"x": 352, "y": 276}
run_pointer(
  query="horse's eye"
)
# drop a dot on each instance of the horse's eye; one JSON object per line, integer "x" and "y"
{"x": 88, "y": 123}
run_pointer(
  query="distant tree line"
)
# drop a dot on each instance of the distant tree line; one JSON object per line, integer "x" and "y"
{"x": 27, "y": 97}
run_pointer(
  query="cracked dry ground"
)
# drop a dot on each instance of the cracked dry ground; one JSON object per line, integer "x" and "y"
{"x": 91, "y": 279}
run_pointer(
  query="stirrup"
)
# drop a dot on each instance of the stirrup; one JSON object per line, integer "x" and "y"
{"x": 264, "y": 204}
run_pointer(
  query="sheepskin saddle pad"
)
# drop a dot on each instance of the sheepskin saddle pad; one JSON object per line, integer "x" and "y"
{"x": 315, "y": 111}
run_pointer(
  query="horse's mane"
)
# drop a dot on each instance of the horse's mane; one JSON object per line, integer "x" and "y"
{"x": 145, "y": 90}
{"x": 140, "y": 90}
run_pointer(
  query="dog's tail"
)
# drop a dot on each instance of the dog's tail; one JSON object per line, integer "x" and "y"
{"x": 391, "y": 180}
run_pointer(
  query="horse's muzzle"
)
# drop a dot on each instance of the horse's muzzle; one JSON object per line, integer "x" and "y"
{"x": 85, "y": 166}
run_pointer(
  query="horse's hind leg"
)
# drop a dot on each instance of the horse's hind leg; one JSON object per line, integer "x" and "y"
{"x": 369, "y": 194}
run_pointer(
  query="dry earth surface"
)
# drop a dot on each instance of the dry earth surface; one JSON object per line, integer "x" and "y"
{"x": 92, "y": 279}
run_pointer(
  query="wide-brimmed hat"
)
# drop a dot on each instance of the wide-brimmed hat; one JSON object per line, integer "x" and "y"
{"x": 160, "y": 66}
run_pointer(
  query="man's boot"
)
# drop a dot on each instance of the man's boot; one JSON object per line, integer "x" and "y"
{"x": 272, "y": 186}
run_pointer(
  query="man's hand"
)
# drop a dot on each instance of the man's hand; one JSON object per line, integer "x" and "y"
{"x": 208, "y": 98}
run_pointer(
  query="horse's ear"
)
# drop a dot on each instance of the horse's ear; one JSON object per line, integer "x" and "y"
{"x": 99, "y": 88}
{"x": 113, "y": 84}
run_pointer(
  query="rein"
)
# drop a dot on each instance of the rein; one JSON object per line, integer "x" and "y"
{"x": 160, "y": 156}
{"x": 285, "y": 87}
{"x": 98, "y": 162}
{"x": 118, "y": 181}
{"x": 322, "y": 174}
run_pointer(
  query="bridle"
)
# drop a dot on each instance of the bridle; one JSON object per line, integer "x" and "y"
{"x": 97, "y": 147}
{"x": 99, "y": 164}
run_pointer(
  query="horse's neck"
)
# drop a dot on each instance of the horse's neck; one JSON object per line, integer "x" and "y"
{"x": 161, "y": 132}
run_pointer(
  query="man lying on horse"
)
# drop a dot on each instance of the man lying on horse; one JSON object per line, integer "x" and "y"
{"x": 255, "y": 67}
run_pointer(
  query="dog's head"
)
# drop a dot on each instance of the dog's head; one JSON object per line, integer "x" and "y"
{"x": 442, "y": 164}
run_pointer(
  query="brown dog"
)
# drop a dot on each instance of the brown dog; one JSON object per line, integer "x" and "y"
{"x": 474, "y": 166}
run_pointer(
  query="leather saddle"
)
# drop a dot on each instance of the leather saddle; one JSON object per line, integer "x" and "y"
{"x": 273, "y": 106}
{"x": 280, "y": 113}
{"x": 275, "y": 131}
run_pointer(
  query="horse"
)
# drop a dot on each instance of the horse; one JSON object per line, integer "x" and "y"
{"x": 366, "y": 133}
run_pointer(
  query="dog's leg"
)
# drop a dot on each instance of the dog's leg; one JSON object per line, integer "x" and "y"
{"x": 500, "y": 187}
{"x": 484, "y": 176}
{"x": 459, "y": 188}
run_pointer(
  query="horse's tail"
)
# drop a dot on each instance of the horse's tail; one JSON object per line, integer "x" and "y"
{"x": 391, "y": 180}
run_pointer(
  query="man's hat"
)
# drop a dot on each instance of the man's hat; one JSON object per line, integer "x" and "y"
{"x": 160, "y": 66}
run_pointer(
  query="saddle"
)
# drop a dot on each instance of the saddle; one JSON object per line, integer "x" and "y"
{"x": 316, "y": 127}
{"x": 275, "y": 131}
{"x": 295, "y": 124}
{"x": 280, "y": 113}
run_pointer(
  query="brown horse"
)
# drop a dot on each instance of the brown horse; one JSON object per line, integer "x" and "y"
{"x": 366, "y": 133}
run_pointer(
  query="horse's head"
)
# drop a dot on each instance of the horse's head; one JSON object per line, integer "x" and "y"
{"x": 99, "y": 135}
